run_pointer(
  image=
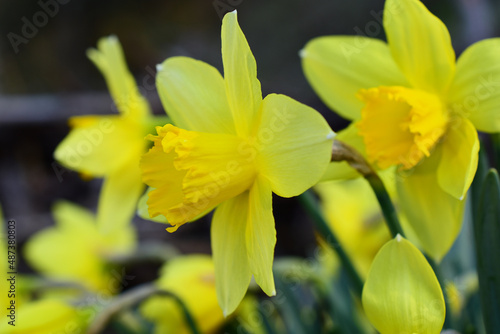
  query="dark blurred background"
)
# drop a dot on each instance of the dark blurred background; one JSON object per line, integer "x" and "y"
{"x": 45, "y": 78}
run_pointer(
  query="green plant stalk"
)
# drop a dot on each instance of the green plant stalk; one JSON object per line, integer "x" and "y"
{"x": 133, "y": 297}
{"x": 388, "y": 210}
{"x": 487, "y": 234}
{"x": 344, "y": 152}
{"x": 310, "y": 204}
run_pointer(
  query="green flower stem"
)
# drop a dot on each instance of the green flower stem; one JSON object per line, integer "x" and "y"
{"x": 388, "y": 210}
{"x": 133, "y": 297}
{"x": 343, "y": 152}
{"x": 310, "y": 204}
{"x": 495, "y": 139}
{"x": 486, "y": 234}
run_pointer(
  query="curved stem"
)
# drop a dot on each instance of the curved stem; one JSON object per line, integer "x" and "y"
{"x": 132, "y": 297}
{"x": 344, "y": 152}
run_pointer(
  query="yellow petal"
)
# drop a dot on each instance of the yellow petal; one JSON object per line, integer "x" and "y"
{"x": 261, "y": 235}
{"x": 342, "y": 170}
{"x": 98, "y": 145}
{"x": 159, "y": 173}
{"x": 402, "y": 293}
{"x": 434, "y": 215}
{"x": 420, "y": 44}
{"x": 337, "y": 67}
{"x": 232, "y": 269}
{"x": 459, "y": 158}
{"x": 46, "y": 316}
{"x": 119, "y": 195}
{"x": 293, "y": 143}
{"x": 109, "y": 58}
{"x": 142, "y": 208}
{"x": 240, "y": 75}
{"x": 474, "y": 91}
{"x": 194, "y": 96}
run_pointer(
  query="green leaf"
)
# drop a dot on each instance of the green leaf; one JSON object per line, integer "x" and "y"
{"x": 487, "y": 235}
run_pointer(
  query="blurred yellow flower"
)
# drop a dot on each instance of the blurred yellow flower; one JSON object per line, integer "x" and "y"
{"x": 192, "y": 279}
{"x": 231, "y": 149}
{"x": 75, "y": 250}
{"x": 352, "y": 210}
{"x": 402, "y": 293}
{"x": 45, "y": 316}
{"x": 110, "y": 146}
{"x": 413, "y": 107}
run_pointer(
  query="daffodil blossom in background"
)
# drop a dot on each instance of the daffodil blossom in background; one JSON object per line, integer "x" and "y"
{"x": 231, "y": 149}
{"x": 402, "y": 293}
{"x": 192, "y": 279}
{"x": 353, "y": 214}
{"x": 110, "y": 146}
{"x": 46, "y": 316}
{"x": 75, "y": 250}
{"x": 413, "y": 107}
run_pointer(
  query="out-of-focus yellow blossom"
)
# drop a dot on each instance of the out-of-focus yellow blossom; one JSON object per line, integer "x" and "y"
{"x": 353, "y": 214}
{"x": 111, "y": 146}
{"x": 75, "y": 250}
{"x": 231, "y": 150}
{"x": 192, "y": 279}
{"x": 413, "y": 107}
{"x": 402, "y": 293}
{"x": 45, "y": 316}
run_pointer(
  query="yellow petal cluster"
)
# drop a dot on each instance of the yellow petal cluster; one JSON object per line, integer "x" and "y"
{"x": 192, "y": 279}
{"x": 93, "y": 145}
{"x": 231, "y": 149}
{"x": 75, "y": 250}
{"x": 414, "y": 107}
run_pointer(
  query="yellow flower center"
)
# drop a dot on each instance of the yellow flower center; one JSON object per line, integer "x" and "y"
{"x": 399, "y": 125}
{"x": 197, "y": 172}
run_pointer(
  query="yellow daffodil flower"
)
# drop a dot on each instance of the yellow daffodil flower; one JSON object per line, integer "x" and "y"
{"x": 110, "y": 146}
{"x": 402, "y": 293}
{"x": 353, "y": 214}
{"x": 45, "y": 316}
{"x": 231, "y": 150}
{"x": 75, "y": 250}
{"x": 413, "y": 107}
{"x": 192, "y": 279}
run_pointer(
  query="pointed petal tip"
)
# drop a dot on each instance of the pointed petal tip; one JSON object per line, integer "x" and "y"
{"x": 159, "y": 67}
{"x": 302, "y": 53}
{"x": 113, "y": 38}
{"x": 331, "y": 135}
{"x": 398, "y": 237}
